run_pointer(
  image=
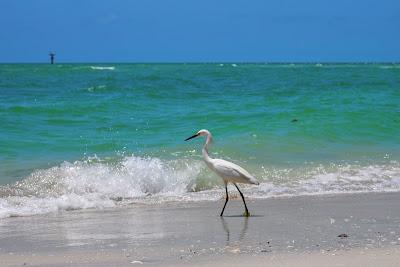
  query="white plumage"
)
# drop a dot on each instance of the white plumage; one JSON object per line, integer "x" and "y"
{"x": 228, "y": 171}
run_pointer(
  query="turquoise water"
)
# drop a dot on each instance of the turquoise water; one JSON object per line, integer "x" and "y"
{"x": 300, "y": 128}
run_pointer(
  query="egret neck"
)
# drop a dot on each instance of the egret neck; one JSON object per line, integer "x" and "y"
{"x": 206, "y": 157}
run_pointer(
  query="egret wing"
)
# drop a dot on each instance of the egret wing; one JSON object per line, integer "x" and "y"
{"x": 232, "y": 172}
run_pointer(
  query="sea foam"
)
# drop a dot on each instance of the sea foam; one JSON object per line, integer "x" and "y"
{"x": 102, "y": 68}
{"x": 95, "y": 183}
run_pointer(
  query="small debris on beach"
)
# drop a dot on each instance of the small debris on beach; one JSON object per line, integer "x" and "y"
{"x": 118, "y": 199}
{"x": 343, "y": 236}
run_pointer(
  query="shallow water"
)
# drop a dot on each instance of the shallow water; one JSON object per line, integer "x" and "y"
{"x": 83, "y": 135}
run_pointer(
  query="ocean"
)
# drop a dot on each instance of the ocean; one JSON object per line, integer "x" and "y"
{"x": 77, "y": 136}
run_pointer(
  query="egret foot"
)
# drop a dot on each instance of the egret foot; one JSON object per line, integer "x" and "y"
{"x": 246, "y": 214}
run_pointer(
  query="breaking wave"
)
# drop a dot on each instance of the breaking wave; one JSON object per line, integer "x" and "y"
{"x": 102, "y": 68}
{"x": 95, "y": 183}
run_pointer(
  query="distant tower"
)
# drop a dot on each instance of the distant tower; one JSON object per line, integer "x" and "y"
{"x": 52, "y": 54}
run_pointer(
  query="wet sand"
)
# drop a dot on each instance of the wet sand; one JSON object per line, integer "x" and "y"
{"x": 300, "y": 231}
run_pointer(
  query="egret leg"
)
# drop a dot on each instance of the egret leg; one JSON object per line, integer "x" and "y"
{"x": 226, "y": 200}
{"x": 247, "y": 213}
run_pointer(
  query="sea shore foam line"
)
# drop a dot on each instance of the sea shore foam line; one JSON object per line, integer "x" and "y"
{"x": 98, "y": 184}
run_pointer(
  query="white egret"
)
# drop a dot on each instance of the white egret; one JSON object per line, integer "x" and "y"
{"x": 228, "y": 171}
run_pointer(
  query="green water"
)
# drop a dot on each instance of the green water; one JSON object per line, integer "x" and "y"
{"x": 279, "y": 116}
{"x": 49, "y": 114}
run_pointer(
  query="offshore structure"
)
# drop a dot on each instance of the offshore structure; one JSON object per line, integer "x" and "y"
{"x": 52, "y": 55}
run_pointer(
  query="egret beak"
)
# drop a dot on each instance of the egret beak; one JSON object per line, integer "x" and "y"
{"x": 193, "y": 136}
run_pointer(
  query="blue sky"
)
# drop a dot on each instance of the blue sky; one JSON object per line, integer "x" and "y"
{"x": 200, "y": 31}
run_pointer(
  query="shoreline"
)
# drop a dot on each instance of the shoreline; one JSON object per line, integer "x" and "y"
{"x": 281, "y": 231}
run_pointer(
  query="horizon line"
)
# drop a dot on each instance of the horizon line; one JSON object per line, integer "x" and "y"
{"x": 209, "y": 62}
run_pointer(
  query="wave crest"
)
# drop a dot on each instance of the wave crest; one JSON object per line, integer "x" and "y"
{"x": 102, "y": 68}
{"x": 96, "y": 183}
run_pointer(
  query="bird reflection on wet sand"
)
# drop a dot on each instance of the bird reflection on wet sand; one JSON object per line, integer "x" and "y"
{"x": 242, "y": 233}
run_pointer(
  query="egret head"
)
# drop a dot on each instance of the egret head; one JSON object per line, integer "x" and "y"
{"x": 202, "y": 132}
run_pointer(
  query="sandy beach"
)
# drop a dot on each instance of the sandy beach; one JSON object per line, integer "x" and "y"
{"x": 339, "y": 230}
